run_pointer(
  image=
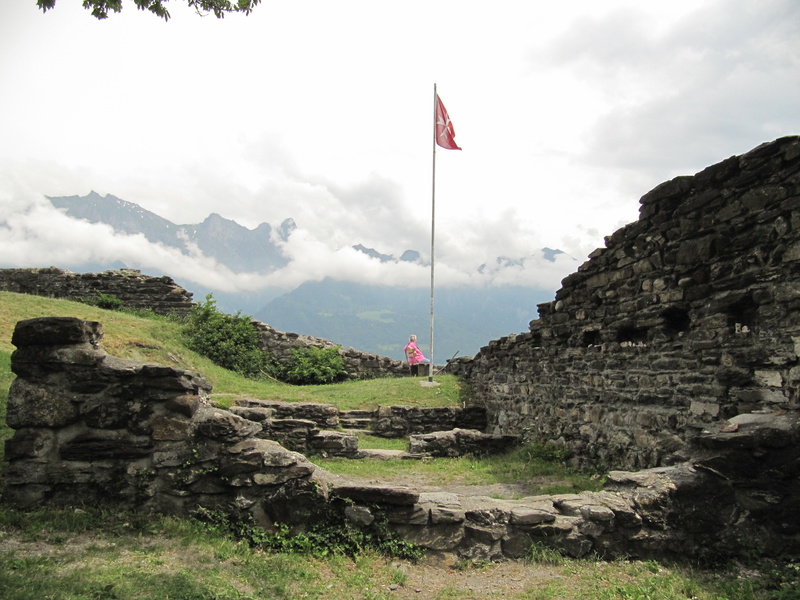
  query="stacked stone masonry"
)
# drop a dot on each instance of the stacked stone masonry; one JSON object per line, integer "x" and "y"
{"x": 309, "y": 427}
{"x": 688, "y": 317}
{"x": 163, "y": 296}
{"x": 135, "y": 290}
{"x": 91, "y": 429}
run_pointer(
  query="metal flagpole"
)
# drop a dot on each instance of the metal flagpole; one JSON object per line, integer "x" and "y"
{"x": 433, "y": 227}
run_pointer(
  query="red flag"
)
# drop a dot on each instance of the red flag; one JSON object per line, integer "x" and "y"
{"x": 445, "y": 133}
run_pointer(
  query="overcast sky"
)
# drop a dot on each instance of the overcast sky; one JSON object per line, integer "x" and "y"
{"x": 321, "y": 110}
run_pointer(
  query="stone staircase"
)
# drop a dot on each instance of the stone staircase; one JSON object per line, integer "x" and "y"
{"x": 362, "y": 420}
{"x": 323, "y": 429}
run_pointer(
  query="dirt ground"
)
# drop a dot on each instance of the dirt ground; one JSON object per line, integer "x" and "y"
{"x": 442, "y": 577}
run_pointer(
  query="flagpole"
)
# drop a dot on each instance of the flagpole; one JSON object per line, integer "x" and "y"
{"x": 433, "y": 227}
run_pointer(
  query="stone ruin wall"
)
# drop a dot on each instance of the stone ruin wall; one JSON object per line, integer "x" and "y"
{"x": 94, "y": 430}
{"x": 136, "y": 291}
{"x": 163, "y": 296}
{"x": 357, "y": 364}
{"x": 688, "y": 317}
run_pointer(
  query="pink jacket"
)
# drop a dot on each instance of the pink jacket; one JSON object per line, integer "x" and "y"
{"x": 413, "y": 354}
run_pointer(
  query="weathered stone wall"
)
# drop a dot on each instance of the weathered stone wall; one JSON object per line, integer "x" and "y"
{"x": 402, "y": 421}
{"x": 93, "y": 429}
{"x": 295, "y": 418}
{"x": 163, "y": 296}
{"x": 688, "y": 317}
{"x": 139, "y": 292}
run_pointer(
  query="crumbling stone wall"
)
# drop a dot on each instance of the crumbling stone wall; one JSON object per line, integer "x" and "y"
{"x": 688, "y": 317}
{"x": 359, "y": 365}
{"x": 94, "y": 429}
{"x": 139, "y": 292}
{"x": 307, "y": 426}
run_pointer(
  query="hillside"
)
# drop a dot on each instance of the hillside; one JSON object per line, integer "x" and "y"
{"x": 159, "y": 340}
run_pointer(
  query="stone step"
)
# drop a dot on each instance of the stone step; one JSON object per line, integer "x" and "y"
{"x": 375, "y": 454}
{"x": 355, "y": 423}
{"x": 357, "y": 414}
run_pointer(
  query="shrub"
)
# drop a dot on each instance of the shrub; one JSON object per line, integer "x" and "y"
{"x": 101, "y": 300}
{"x": 314, "y": 366}
{"x": 230, "y": 341}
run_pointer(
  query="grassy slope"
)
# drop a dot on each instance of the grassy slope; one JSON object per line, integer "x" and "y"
{"x": 159, "y": 340}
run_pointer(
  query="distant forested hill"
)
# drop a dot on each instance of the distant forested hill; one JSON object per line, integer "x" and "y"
{"x": 379, "y": 319}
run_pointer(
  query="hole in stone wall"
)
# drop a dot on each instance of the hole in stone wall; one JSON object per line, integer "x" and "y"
{"x": 590, "y": 338}
{"x": 676, "y": 319}
{"x": 631, "y": 334}
{"x": 742, "y": 314}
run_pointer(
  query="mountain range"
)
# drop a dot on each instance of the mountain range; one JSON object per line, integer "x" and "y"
{"x": 371, "y": 318}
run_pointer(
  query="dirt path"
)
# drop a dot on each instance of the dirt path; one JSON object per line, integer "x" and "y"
{"x": 442, "y": 578}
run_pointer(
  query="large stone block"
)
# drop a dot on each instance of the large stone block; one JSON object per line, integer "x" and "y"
{"x": 31, "y": 405}
{"x": 56, "y": 331}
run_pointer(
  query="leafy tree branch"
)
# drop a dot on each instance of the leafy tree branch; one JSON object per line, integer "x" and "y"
{"x": 101, "y": 8}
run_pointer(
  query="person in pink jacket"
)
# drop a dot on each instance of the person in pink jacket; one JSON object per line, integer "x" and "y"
{"x": 414, "y": 355}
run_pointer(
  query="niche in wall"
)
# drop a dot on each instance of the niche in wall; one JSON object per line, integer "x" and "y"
{"x": 632, "y": 335}
{"x": 742, "y": 314}
{"x": 590, "y": 337}
{"x": 676, "y": 320}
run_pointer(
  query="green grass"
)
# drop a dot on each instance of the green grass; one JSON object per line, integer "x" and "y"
{"x": 520, "y": 466}
{"x": 378, "y": 443}
{"x": 388, "y": 391}
{"x": 90, "y": 555}
{"x": 6, "y": 376}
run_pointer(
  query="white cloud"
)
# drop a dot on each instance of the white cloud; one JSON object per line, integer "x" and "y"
{"x": 318, "y": 111}
{"x": 36, "y": 233}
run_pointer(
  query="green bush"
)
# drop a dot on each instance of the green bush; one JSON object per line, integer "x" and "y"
{"x": 314, "y": 366}
{"x": 101, "y": 300}
{"x": 230, "y": 341}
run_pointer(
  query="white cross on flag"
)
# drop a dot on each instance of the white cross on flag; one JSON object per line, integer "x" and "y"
{"x": 445, "y": 133}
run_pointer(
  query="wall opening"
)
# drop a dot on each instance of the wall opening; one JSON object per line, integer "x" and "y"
{"x": 676, "y": 320}
{"x": 590, "y": 338}
{"x": 742, "y": 314}
{"x": 632, "y": 335}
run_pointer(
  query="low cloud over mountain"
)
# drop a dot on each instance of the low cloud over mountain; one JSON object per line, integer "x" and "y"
{"x": 251, "y": 269}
